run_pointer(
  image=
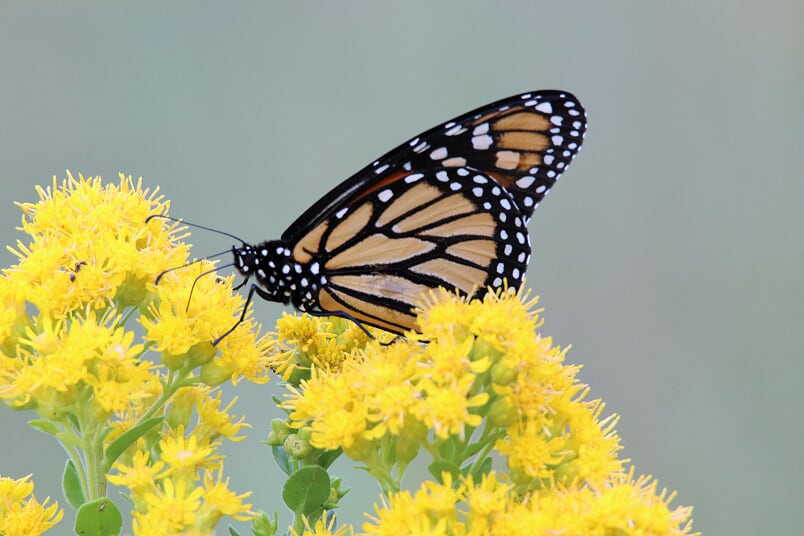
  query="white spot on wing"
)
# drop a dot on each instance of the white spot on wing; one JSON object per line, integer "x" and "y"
{"x": 439, "y": 154}
{"x": 454, "y": 131}
{"x": 481, "y": 129}
{"x": 545, "y": 107}
{"x": 481, "y": 143}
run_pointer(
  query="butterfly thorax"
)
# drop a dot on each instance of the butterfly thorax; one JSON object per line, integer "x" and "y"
{"x": 279, "y": 276}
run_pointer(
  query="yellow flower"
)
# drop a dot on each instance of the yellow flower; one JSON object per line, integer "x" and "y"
{"x": 220, "y": 501}
{"x": 302, "y": 342}
{"x": 141, "y": 476}
{"x": 58, "y": 360}
{"x": 190, "y": 313}
{"x": 185, "y": 456}
{"x": 484, "y": 501}
{"x": 171, "y": 509}
{"x": 447, "y": 408}
{"x": 90, "y": 245}
{"x": 402, "y": 514}
{"x": 622, "y": 505}
{"x": 324, "y": 526}
{"x": 214, "y": 422}
{"x": 20, "y": 512}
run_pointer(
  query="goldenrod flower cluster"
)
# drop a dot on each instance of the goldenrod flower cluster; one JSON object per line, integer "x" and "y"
{"x": 69, "y": 350}
{"x": 478, "y": 384}
{"x": 622, "y": 505}
{"x": 515, "y": 444}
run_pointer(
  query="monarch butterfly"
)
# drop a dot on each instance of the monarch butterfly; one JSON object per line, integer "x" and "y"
{"x": 448, "y": 208}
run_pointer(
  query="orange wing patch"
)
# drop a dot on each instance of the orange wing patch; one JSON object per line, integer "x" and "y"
{"x": 460, "y": 276}
{"x": 373, "y": 312}
{"x": 480, "y": 252}
{"x": 479, "y": 224}
{"x": 377, "y": 249}
{"x": 345, "y": 230}
{"x": 523, "y": 120}
{"x": 447, "y": 207}
{"x": 418, "y": 196}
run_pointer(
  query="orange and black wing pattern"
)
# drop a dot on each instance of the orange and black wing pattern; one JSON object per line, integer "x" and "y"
{"x": 449, "y": 208}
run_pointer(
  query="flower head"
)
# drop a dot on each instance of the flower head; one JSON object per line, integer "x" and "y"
{"x": 20, "y": 512}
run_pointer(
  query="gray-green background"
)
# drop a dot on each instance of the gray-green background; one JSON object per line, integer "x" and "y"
{"x": 670, "y": 256}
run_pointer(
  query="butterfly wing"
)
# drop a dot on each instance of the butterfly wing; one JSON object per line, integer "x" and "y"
{"x": 448, "y": 208}
{"x": 523, "y": 142}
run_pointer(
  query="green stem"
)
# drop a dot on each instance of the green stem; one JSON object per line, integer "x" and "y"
{"x": 298, "y": 523}
{"x": 88, "y": 437}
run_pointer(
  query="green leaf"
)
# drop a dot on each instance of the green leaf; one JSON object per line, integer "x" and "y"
{"x": 233, "y": 531}
{"x": 440, "y": 466}
{"x": 307, "y": 490}
{"x": 45, "y": 426}
{"x": 98, "y": 518}
{"x": 282, "y": 459}
{"x": 482, "y": 469}
{"x": 71, "y": 486}
{"x": 473, "y": 448}
{"x": 329, "y": 457}
{"x": 120, "y": 444}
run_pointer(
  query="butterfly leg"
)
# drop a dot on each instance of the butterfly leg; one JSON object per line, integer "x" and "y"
{"x": 252, "y": 289}
{"x": 345, "y": 316}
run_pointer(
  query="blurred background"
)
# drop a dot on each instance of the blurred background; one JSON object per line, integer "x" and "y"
{"x": 670, "y": 256}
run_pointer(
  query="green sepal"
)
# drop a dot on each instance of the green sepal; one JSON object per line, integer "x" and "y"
{"x": 261, "y": 525}
{"x": 282, "y": 459}
{"x": 328, "y": 457}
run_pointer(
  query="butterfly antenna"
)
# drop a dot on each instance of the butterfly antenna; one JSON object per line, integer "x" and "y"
{"x": 185, "y": 265}
{"x": 199, "y": 276}
{"x": 197, "y": 226}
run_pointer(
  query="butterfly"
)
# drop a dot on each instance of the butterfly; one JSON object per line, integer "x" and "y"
{"x": 448, "y": 208}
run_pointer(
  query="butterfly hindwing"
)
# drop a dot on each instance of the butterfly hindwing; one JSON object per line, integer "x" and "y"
{"x": 450, "y": 227}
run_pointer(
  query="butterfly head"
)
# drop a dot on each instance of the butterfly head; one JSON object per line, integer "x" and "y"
{"x": 273, "y": 266}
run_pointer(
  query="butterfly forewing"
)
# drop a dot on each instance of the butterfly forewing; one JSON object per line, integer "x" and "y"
{"x": 524, "y": 142}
